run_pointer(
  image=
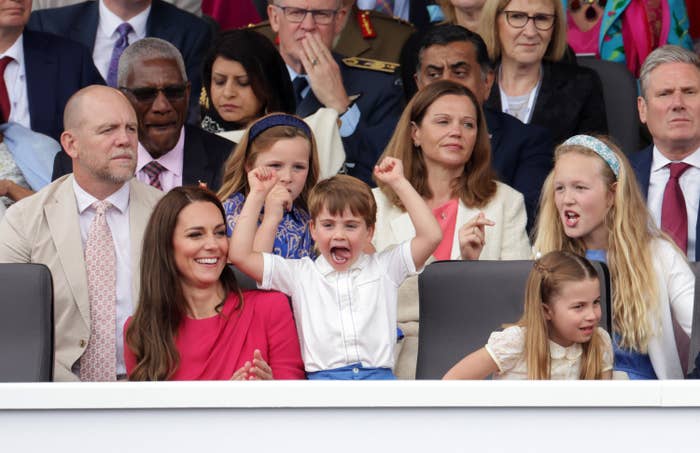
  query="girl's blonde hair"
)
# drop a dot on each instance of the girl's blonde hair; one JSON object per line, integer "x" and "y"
{"x": 488, "y": 29}
{"x": 243, "y": 158}
{"x": 547, "y": 278}
{"x": 630, "y": 234}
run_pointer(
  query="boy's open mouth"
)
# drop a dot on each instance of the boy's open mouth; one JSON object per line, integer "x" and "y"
{"x": 340, "y": 255}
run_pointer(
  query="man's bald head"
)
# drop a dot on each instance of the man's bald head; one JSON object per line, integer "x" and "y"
{"x": 77, "y": 109}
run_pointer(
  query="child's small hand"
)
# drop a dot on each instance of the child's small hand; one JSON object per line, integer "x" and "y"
{"x": 389, "y": 170}
{"x": 278, "y": 201}
{"x": 472, "y": 236}
{"x": 262, "y": 179}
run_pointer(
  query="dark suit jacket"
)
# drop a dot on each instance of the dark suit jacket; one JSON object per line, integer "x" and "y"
{"x": 56, "y": 68}
{"x": 191, "y": 35}
{"x": 205, "y": 154}
{"x": 641, "y": 163}
{"x": 522, "y": 156}
{"x": 570, "y": 101}
{"x": 380, "y": 105}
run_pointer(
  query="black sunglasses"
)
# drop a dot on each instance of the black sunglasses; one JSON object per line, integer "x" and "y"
{"x": 149, "y": 94}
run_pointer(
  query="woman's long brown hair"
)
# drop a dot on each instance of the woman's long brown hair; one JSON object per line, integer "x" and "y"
{"x": 477, "y": 183}
{"x": 162, "y": 306}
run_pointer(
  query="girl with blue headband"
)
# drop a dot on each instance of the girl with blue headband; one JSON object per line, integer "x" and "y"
{"x": 591, "y": 204}
{"x": 286, "y": 144}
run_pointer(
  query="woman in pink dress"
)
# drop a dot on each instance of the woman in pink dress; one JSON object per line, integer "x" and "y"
{"x": 193, "y": 322}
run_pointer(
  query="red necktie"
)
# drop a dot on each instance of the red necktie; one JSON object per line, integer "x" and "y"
{"x": 4, "y": 97}
{"x": 674, "y": 217}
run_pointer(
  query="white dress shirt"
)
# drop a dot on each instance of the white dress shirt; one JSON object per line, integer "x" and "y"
{"x": 343, "y": 317}
{"x": 118, "y": 221}
{"x": 107, "y": 35}
{"x": 16, "y": 83}
{"x": 690, "y": 184}
{"x": 173, "y": 161}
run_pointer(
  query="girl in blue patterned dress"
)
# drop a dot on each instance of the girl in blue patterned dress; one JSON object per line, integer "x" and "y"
{"x": 285, "y": 143}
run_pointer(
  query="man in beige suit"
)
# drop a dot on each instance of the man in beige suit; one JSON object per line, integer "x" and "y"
{"x": 51, "y": 226}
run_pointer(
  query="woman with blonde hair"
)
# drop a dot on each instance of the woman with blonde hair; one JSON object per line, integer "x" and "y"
{"x": 591, "y": 204}
{"x": 527, "y": 39}
{"x": 443, "y": 143}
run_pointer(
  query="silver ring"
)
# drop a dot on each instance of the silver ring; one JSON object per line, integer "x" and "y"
{"x": 314, "y": 62}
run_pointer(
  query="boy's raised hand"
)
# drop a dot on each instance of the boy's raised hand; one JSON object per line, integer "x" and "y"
{"x": 389, "y": 170}
{"x": 262, "y": 179}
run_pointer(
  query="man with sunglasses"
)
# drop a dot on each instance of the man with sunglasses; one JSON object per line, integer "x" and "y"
{"x": 368, "y": 101}
{"x": 170, "y": 153}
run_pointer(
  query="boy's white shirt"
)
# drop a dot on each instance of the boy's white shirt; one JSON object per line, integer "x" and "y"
{"x": 343, "y": 317}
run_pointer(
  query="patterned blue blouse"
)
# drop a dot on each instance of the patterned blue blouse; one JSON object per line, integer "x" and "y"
{"x": 293, "y": 239}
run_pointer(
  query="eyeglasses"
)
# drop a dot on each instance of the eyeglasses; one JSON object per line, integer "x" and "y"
{"x": 519, "y": 19}
{"x": 149, "y": 94}
{"x": 297, "y": 15}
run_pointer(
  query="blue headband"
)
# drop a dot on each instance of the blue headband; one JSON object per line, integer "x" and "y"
{"x": 599, "y": 148}
{"x": 277, "y": 119}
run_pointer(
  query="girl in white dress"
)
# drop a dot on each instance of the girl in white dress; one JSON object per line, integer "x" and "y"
{"x": 558, "y": 335}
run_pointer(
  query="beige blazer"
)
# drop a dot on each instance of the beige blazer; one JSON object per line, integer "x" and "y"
{"x": 506, "y": 240}
{"x": 44, "y": 228}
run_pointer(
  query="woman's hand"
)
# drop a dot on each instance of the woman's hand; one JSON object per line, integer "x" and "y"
{"x": 472, "y": 236}
{"x": 257, "y": 370}
{"x": 389, "y": 171}
{"x": 260, "y": 369}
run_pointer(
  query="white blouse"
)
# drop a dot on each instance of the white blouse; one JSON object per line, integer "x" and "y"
{"x": 507, "y": 349}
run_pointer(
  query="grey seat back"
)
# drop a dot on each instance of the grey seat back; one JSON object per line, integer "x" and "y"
{"x": 620, "y": 95}
{"x": 26, "y": 323}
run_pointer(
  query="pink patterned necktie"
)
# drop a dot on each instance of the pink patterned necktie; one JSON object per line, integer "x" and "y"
{"x": 674, "y": 216}
{"x": 153, "y": 169}
{"x": 99, "y": 362}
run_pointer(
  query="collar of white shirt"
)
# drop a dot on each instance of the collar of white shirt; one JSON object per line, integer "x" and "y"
{"x": 16, "y": 51}
{"x": 659, "y": 161}
{"x": 109, "y": 22}
{"x": 173, "y": 160}
{"x": 325, "y": 268}
{"x": 119, "y": 199}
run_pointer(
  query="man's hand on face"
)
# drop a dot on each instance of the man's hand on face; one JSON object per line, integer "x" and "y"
{"x": 324, "y": 73}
